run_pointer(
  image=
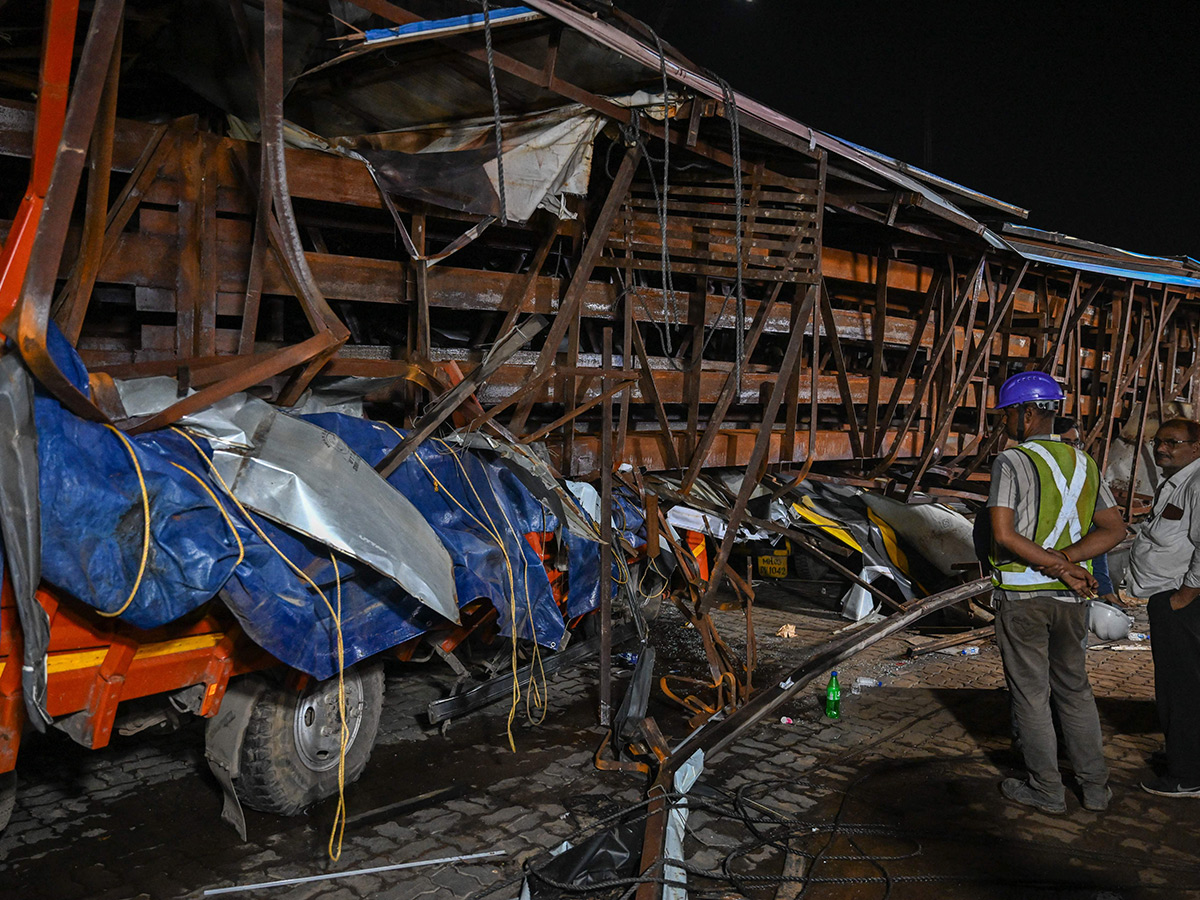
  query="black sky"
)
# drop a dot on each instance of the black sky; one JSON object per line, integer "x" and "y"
{"x": 1084, "y": 114}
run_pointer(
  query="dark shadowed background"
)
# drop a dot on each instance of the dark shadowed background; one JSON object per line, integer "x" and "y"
{"x": 1081, "y": 113}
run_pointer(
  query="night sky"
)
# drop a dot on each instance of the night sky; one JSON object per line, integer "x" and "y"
{"x": 1084, "y": 114}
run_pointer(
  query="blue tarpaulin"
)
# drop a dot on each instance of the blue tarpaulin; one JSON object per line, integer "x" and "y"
{"x": 93, "y": 536}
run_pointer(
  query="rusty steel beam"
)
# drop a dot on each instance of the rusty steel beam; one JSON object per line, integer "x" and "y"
{"x": 71, "y": 305}
{"x": 606, "y": 539}
{"x": 441, "y": 409}
{"x": 759, "y": 457}
{"x": 249, "y": 373}
{"x": 719, "y": 735}
{"x": 96, "y": 210}
{"x": 839, "y": 367}
{"x": 583, "y": 271}
{"x": 969, "y": 370}
{"x": 878, "y": 333}
{"x": 1154, "y": 374}
{"x": 53, "y": 94}
{"x": 32, "y": 314}
{"x": 935, "y": 357}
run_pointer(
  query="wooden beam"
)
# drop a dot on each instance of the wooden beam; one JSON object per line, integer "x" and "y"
{"x": 583, "y": 271}
{"x": 757, "y": 460}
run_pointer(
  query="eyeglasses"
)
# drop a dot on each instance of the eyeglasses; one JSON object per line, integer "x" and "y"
{"x": 1160, "y": 442}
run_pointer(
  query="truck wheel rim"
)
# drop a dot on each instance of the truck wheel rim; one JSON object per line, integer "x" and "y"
{"x": 318, "y": 727}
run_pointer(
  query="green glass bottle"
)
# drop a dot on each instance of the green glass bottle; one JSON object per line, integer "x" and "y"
{"x": 833, "y": 697}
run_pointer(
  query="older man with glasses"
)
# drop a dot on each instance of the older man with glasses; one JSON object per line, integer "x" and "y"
{"x": 1164, "y": 565}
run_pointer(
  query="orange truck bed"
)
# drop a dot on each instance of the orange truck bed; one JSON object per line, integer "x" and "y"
{"x": 94, "y": 663}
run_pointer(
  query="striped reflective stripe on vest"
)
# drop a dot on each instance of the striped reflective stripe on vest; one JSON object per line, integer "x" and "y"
{"x": 1065, "y": 509}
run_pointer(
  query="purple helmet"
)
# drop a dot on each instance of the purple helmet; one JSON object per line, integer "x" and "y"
{"x": 1030, "y": 387}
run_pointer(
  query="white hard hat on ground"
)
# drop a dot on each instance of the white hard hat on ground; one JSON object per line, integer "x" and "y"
{"x": 1108, "y": 622}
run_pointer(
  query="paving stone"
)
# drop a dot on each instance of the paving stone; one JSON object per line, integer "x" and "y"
{"x": 811, "y": 764}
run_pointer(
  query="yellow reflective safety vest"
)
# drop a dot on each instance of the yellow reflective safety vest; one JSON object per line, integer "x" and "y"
{"x": 1068, "y": 485}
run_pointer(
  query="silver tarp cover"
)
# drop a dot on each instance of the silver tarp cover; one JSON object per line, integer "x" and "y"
{"x": 308, "y": 479}
{"x": 21, "y": 526}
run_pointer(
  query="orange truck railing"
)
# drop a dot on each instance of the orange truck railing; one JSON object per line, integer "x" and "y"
{"x": 94, "y": 664}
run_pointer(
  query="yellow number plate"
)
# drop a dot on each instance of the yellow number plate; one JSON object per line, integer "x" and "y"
{"x": 773, "y": 566}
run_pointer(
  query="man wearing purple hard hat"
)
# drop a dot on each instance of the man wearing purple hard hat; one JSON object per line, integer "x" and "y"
{"x": 1050, "y": 513}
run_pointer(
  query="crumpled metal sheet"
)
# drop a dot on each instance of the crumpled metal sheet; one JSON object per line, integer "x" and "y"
{"x": 308, "y": 479}
{"x": 146, "y": 396}
{"x": 561, "y": 502}
{"x": 483, "y": 513}
{"x": 20, "y": 525}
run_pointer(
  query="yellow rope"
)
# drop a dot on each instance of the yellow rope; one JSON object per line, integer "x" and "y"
{"x": 339, "y": 822}
{"x": 339, "y": 817}
{"x": 494, "y": 533}
{"x": 254, "y": 525}
{"x": 512, "y": 605}
{"x": 536, "y": 698}
{"x": 228, "y": 521}
{"x": 145, "y": 525}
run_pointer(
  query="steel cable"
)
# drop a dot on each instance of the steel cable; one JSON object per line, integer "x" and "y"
{"x": 491, "y": 67}
{"x": 731, "y": 110}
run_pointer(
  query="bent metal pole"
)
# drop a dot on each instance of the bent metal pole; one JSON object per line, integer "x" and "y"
{"x": 718, "y": 735}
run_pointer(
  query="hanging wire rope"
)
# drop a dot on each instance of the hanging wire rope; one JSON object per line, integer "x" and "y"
{"x": 633, "y": 134}
{"x": 491, "y": 67}
{"x": 731, "y": 111}
{"x": 668, "y": 281}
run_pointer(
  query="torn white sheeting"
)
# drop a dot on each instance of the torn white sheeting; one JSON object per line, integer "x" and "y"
{"x": 308, "y": 479}
{"x": 546, "y": 155}
{"x": 676, "y": 877}
{"x": 588, "y": 497}
{"x": 694, "y": 520}
{"x": 859, "y": 602}
{"x": 550, "y": 163}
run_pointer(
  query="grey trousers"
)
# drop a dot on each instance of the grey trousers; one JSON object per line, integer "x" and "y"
{"x": 1043, "y": 644}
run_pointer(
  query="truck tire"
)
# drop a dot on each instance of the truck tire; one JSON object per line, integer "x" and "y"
{"x": 289, "y": 758}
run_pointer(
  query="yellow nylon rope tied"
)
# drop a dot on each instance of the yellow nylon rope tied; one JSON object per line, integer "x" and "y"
{"x": 145, "y": 526}
{"x": 339, "y": 817}
{"x": 536, "y": 698}
{"x": 494, "y": 532}
{"x": 339, "y": 822}
{"x": 221, "y": 507}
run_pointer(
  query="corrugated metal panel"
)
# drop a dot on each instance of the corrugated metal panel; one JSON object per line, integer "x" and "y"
{"x": 1103, "y": 268}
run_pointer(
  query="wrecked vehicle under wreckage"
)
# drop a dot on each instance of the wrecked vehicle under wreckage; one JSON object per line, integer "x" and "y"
{"x": 388, "y": 326}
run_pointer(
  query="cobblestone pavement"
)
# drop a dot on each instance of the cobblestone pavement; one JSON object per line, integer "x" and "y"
{"x": 897, "y": 797}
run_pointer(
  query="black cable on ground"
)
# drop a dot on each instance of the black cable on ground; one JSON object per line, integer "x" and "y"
{"x": 773, "y": 829}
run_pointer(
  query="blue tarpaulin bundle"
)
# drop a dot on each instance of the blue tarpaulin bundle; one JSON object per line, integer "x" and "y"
{"x": 201, "y": 542}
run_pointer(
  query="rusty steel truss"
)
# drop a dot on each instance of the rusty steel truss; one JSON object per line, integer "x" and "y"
{"x": 731, "y": 289}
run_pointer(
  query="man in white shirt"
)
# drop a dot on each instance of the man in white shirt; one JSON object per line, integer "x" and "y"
{"x": 1164, "y": 565}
